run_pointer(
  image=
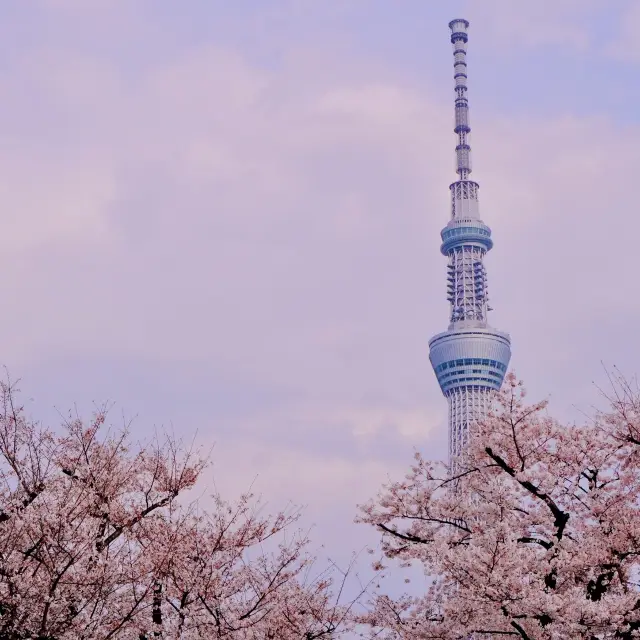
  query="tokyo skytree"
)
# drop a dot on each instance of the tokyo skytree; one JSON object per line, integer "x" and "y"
{"x": 470, "y": 359}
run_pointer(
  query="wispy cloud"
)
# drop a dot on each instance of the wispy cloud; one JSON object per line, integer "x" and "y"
{"x": 248, "y": 245}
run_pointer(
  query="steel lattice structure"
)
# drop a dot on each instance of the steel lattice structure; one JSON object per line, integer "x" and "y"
{"x": 470, "y": 359}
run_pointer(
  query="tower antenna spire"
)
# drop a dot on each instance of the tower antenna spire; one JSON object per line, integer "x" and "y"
{"x": 464, "y": 192}
{"x": 459, "y": 38}
{"x": 470, "y": 359}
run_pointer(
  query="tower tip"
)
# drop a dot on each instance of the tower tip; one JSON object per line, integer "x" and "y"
{"x": 459, "y": 28}
{"x": 458, "y": 21}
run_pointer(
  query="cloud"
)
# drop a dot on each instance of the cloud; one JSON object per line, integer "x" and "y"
{"x": 256, "y": 216}
{"x": 533, "y": 24}
{"x": 250, "y": 247}
{"x": 624, "y": 47}
{"x": 66, "y": 206}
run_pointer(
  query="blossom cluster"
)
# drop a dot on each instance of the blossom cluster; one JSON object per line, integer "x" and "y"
{"x": 535, "y": 534}
{"x": 97, "y": 542}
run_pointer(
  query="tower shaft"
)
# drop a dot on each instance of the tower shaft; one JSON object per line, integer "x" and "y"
{"x": 470, "y": 359}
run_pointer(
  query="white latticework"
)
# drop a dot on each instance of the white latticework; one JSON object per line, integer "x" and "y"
{"x": 467, "y": 284}
{"x": 464, "y": 196}
{"x": 466, "y": 406}
{"x": 462, "y": 114}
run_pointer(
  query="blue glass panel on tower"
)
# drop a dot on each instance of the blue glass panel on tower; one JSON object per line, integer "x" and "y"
{"x": 475, "y": 357}
{"x": 471, "y": 358}
{"x": 465, "y": 233}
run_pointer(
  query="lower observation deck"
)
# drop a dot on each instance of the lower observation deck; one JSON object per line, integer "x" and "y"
{"x": 470, "y": 357}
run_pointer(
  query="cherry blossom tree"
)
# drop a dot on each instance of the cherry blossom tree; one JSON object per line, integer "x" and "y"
{"x": 535, "y": 536}
{"x": 98, "y": 542}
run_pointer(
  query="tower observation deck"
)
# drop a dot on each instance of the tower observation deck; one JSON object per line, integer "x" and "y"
{"x": 470, "y": 359}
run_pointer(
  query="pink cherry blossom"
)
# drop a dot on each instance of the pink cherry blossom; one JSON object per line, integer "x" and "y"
{"x": 536, "y": 536}
{"x": 97, "y": 542}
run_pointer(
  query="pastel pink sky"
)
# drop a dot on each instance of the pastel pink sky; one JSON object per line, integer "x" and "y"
{"x": 225, "y": 218}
